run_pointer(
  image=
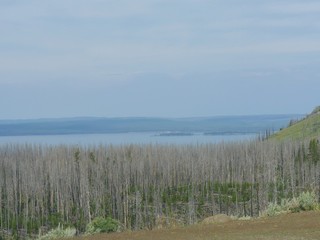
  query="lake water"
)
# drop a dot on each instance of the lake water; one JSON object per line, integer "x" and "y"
{"x": 122, "y": 139}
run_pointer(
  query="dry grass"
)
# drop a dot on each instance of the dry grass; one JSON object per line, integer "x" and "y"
{"x": 292, "y": 226}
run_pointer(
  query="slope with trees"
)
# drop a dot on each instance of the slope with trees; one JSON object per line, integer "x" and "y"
{"x": 307, "y": 128}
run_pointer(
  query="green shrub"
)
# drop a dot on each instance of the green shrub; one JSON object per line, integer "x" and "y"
{"x": 101, "y": 225}
{"x": 273, "y": 209}
{"x": 59, "y": 233}
{"x": 293, "y": 205}
{"x": 306, "y": 201}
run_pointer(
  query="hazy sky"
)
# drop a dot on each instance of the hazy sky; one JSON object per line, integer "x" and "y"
{"x": 166, "y": 58}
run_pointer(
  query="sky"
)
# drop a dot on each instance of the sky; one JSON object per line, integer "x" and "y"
{"x": 158, "y": 58}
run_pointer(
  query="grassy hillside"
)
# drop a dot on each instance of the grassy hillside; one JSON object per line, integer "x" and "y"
{"x": 306, "y": 128}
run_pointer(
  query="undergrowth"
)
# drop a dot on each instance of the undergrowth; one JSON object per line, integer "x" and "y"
{"x": 306, "y": 201}
{"x": 59, "y": 233}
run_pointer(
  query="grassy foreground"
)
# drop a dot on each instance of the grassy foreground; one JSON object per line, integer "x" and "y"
{"x": 304, "y": 225}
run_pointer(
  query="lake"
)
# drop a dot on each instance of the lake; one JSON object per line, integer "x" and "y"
{"x": 123, "y": 138}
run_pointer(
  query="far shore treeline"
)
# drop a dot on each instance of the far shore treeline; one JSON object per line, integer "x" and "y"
{"x": 42, "y": 187}
{"x": 94, "y": 125}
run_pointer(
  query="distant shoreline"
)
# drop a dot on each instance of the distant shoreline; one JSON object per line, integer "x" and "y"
{"x": 165, "y": 126}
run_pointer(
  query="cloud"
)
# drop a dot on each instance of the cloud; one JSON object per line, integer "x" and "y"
{"x": 288, "y": 46}
{"x": 295, "y": 7}
{"x": 37, "y": 9}
{"x": 103, "y": 37}
{"x": 125, "y": 58}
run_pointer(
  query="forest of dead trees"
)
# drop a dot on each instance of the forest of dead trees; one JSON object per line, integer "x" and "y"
{"x": 43, "y": 186}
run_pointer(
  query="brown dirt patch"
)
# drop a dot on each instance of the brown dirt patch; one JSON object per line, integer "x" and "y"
{"x": 292, "y": 226}
{"x": 220, "y": 218}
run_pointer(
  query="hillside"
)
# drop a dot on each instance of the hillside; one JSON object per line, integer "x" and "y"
{"x": 307, "y": 128}
{"x": 304, "y": 225}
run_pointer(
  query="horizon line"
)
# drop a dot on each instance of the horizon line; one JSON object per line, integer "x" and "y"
{"x": 149, "y": 117}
